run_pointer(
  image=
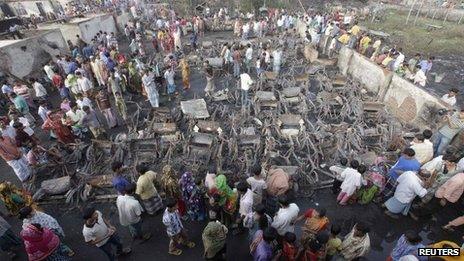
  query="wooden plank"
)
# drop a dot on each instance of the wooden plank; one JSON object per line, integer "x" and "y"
{"x": 249, "y": 139}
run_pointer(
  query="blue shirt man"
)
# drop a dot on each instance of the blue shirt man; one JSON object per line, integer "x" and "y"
{"x": 407, "y": 162}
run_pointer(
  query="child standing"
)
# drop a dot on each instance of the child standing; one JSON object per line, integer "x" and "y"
{"x": 174, "y": 228}
{"x": 289, "y": 248}
{"x": 334, "y": 243}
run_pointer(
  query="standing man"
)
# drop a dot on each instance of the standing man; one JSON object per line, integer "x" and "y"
{"x": 284, "y": 220}
{"x": 130, "y": 212}
{"x": 248, "y": 57}
{"x": 83, "y": 84}
{"x": 103, "y": 103}
{"x": 99, "y": 232}
{"x": 277, "y": 55}
{"x": 169, "y": 76}
{"x": 410, "y": 185}
{"x": 148, "y": 80}
{"x": 237, "y": 61}
{"x": 453, "y": 125}
{"x": 174, "y": 228}
{"x": 146, "y": 190}
{"x": 208, "y": 69}
{"x": 22, "y": 106}
{"x": 245, "y": 84}
{"x": 14, "y": 157}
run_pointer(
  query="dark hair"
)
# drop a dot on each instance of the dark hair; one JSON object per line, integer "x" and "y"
{"x": 263, "y": 222}
{"x": 322, "y": 237}
{"x": 409, "y": 152}
{"x": 362, "y": 168}
{"x": 242, "y": 186}
{"x": 25, "y": 212}
{"x": 130, "y": 188}
{"x": 335, "y": 229}
{"x": 454, "y": 90}
{"x": 260, "y": 209}
{"x": 322, "y": 211}
{"x": 88, "y": 212}
{"x": 116, "y": 165}
{"x": 427, "y": 134}
{"x": 141, "y": 168}
{"x": 170, "y": 202}
{"x": 450, "y": 158}
{"x": 413, "y": 237}
{"x": 420, "y": 137}
{"x": 198, "y": 181}
{"x": 362, "y": 227}
{"x": 269, "y": 234}
{"x": 354, "y": 164}
{"x": 216, "y": 197}
{"x": 256, "y": 170}
{"x": 283, "y": 200}
{"x": 290, "y": 237}
{"x": 343, "y": 161}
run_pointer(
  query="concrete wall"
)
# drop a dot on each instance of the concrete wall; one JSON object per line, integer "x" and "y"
{"x": 401, "y": 97}
{"x": 90, "y": 28}
{"x": 406, "y": 100}
{"x": 374, "y": 77}
{"x": 23, "y": 57}
{"x": 122, "y": 20}
{"x": 87, "y": 28}
{"x": 31, "y": 7}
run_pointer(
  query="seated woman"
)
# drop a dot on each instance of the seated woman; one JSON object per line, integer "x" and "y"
{"x": 315, "y": 221}
{"x": 14, "y": 198}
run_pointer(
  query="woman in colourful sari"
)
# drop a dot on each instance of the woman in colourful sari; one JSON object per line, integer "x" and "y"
{"x": 14, "y": 198}
{"x": 42, "y": 244}
{"x": 170, "y": 186}
{"x": 315, "y": 221}
{"x": 191, "y": 196}
{"x": 228, "y": 198}
{"x": 62, "y": 132}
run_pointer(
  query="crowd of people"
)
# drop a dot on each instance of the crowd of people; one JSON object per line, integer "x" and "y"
{"x": 94, "y": 82}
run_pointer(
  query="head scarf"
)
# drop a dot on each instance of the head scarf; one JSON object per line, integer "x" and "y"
{"x": 169, "y": 182}
{"x": 224, "y": 190}
{"x": 39, "y": 243}
{"x": 277, "y": 182}
{"x": 187, "y": 185}
{"x": 214, "y": 238}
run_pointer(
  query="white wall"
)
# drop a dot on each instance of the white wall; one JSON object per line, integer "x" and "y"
{"x": 90, "y": 28}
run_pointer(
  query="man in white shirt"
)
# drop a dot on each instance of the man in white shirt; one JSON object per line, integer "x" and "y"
{"x": 99, "y": 232}
{"x": 130, "y": 212}
{"x": 246, "y": 204}
{"x": 450, "y": 97}
{"x": 245, "y": 84}
{"x": 257, "y": 184}
{"x": 83, "y": 84}
{"x": 277, "y": 56}
{"x": 284, "y": 220}
{"x": 39, "y": 89}
{"x": 399, "y": 60}
{"x": 410, "y": 185}
{"x": 248, "y": 57}
{"x": 245, "y": 31}
{"x": 420, "y": 78}
{"x": 48, "y": 68}
{"x": 423, "y": 149}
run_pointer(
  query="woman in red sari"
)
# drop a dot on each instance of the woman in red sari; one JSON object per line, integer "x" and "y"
{"x": 62, "y": 132}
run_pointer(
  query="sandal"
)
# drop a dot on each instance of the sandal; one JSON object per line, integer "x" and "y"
{"x": 190, "y": 244}
{"x": 176, "y": 252}
{"x": 71, "y": 253}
